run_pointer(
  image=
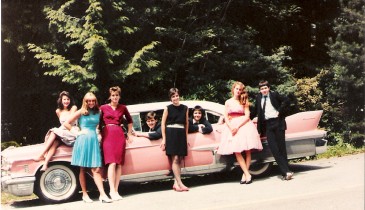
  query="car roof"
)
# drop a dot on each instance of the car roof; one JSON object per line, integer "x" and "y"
{"x": 146, "y": 107}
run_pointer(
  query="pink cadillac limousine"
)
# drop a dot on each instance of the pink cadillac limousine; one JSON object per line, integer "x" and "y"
{"x": 145, "y": 161}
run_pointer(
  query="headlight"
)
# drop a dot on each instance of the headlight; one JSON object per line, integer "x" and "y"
{"x": 4, "y": 173}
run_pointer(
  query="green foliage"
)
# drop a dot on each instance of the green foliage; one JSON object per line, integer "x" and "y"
{"x": 341, "y": 148}
{"x": 309, "y": 95}
{"x": 344, "y": 83}
{"x": 199, "y": 46}
{"x": 5, "y": 145}
{"x": 88, "y": 57}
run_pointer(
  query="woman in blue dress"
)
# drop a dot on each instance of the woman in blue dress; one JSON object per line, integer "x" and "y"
{"x": 86, "y": 152}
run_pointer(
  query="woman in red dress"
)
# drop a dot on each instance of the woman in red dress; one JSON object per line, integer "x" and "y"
{"x": 113, "y": 140}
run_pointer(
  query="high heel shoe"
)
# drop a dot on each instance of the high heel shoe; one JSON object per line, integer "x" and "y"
{"x": 177, "y": 188}
{"x": 87, "y": 199}
{"x": 44, "y": 168}
{"x": 249, "y": 181}
{"x": 243, "y": 179}
{"x": 105, "y": 199}
{"x": 115, "y": 196}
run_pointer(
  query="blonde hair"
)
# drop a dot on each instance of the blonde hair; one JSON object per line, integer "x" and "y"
{"x": 85, "y": 108}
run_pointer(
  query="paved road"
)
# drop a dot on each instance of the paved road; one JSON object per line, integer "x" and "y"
{"x": 336, "y": 183}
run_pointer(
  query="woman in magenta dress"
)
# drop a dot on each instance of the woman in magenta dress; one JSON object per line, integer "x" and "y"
{"x": 113, "y": 140}
{"x": 240, "y": 134}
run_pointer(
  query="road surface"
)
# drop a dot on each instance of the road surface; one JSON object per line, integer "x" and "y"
{"x": 326, "y": 184}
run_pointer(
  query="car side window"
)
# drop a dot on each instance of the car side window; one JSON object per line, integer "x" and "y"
{"x": 144, "y": 126}
{"x": 137, "y": 126}
{"x": 212, "y": 117}
{"x": 136, "y": 122}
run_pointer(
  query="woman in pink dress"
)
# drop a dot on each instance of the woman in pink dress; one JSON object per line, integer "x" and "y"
{"x": 239, "y": 134}
{"x": 113, "y": 140}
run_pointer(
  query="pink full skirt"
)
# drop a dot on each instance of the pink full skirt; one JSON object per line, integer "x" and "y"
{"x": 247, "y": 138}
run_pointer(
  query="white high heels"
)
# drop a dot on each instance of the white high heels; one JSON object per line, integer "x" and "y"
{"x": 115, "y": 196}
{"x": 105, "y": 199}
{"x": 87, "y": 199}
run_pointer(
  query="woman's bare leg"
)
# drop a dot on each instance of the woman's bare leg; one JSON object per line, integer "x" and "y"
{"x": 98, "y": 179}
{"x": 50, "y": 154}
{"x": 118, "y": 173}
{"x": 248, "y": 159}
{"x": 111, "y": 177}
{"x": 48, "y": 144}
{"x": 243, "y": 166}
{"x": 176, "y": 169}
{"x": 82, "y": 180}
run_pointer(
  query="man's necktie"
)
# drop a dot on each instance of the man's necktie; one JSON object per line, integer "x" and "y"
{"x": 264, "y": 106}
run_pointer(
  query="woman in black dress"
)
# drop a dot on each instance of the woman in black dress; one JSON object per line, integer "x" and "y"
{"x": 174, "y": 128}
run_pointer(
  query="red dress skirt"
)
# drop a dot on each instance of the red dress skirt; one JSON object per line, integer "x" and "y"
{"x": 113, "y": 140}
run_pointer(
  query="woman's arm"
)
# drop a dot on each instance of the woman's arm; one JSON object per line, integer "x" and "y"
{"x": 163, "y": 128}
{"x": 226, "y": 117}
{"x": 75, "y": 116}
{"x": 58, "y": 113}
{"x": 187, "y": 121}
{"x": 246, "y": 117}
{"x": 73, "y": 109}
{"x": 129, "y": 134}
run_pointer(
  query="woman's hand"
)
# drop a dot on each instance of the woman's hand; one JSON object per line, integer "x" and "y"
{"x": 129, "y": 139}
{"x": 163, "y": 145}
{"x": 234, "y": 131}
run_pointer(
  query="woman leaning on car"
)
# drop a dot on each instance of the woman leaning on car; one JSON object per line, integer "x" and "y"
{"x": 174, "y": 128}
{"x": 56, "y": 136}
{"x": 113, "y": 140}
{"x": 86, "y": 152}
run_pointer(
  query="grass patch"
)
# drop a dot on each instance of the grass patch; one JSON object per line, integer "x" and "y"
{"x": 340, "y": 150}
{"x": 7, "y": 198}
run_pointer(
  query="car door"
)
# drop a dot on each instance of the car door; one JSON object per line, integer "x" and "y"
{"x": 201, "y": 146}
{"x": 144, "y": 155}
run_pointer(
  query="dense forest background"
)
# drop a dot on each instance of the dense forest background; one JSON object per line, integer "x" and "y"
{"x": 312, "y": 51}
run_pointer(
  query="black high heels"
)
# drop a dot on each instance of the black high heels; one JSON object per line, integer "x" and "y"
{"x": 243, "y": 182}
{"x": 249, "y": 181}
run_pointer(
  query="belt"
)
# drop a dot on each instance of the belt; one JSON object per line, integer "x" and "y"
{"x": 112, "y": 125}
{"x": 176, "y": 126}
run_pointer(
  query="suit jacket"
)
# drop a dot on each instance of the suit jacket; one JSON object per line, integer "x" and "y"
{"x": 279, "y": 102}
{"x": 155, "y": 132}
{"x": 195, "y": 128}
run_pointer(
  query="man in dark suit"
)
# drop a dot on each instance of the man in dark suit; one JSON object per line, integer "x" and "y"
{"x": 198, "y": 123}
{"x": 270, "y": 110}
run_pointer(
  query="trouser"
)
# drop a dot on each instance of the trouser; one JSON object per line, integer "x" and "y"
{"x": 276, "y": 139}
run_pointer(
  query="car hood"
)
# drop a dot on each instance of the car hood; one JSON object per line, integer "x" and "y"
{"x": 22, "y": 153}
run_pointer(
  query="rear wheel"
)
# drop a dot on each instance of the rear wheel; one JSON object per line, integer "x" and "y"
{"x": 260, "y": 169}
{"x": 57, "y": 184}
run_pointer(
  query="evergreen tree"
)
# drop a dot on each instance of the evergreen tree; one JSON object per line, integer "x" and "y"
{"x": 91, "y": 48}
{"x": 344, "y": 83}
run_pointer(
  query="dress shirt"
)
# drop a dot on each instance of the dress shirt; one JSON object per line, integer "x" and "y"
{"x": 270, "y": 111}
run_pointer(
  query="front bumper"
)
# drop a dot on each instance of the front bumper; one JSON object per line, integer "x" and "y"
{"x": 18, "y": 186}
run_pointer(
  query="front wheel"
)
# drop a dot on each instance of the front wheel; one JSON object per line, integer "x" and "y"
{"x": 260, "y": 169}
{"x": 57, "y": 184}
